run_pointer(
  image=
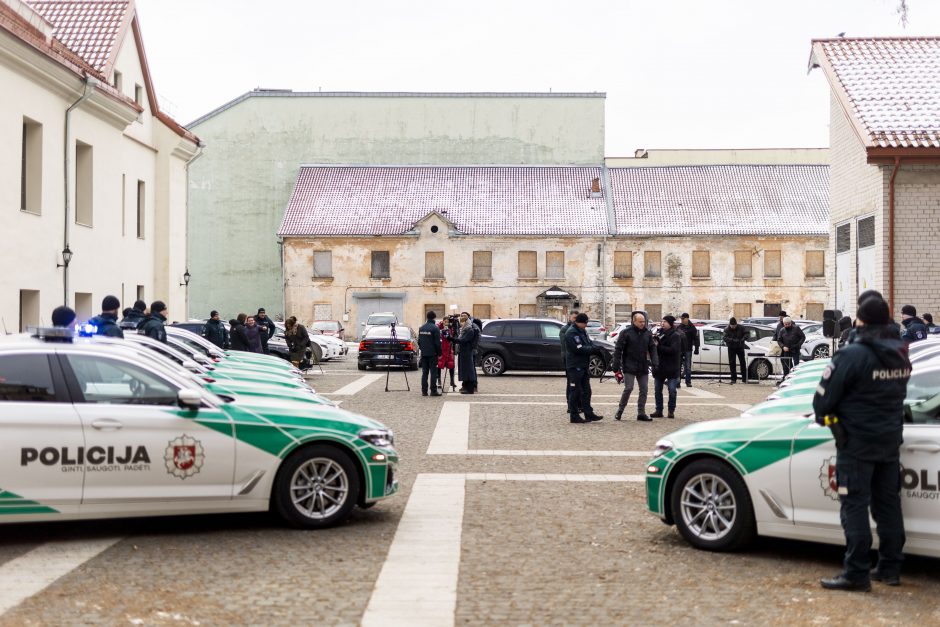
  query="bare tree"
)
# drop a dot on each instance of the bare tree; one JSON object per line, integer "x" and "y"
{"x": 902, "y": 12}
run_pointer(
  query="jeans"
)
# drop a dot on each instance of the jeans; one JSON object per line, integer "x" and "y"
{"x": 579, "y": 391}
{"x": 672, "y": 384}
{"x": 687, "y": 368}
{"x": 737, "y": 355}
{"x": 642, "y": 380}
{"x": 429, "y": 371}
{"x": 790, "y": 359}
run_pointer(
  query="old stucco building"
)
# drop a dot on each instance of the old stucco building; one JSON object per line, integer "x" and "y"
{"x": 885, "y": 168}
{"x": 505, "y": 241}
{"x": 123, "y": 216}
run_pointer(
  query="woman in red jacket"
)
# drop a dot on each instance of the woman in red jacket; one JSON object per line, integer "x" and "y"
{"x": 446, "y": 360}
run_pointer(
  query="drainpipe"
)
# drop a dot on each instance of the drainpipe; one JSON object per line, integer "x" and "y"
{"x": 894, "y": 173}
{"x": 611, "y": 230}
{"x": 90, "y": 84}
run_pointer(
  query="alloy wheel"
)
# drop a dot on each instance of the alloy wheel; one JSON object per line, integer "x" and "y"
{"x": 596, "y": 366}
{"x": 708, "y": 506}
{"x": 319, "y": 488}
{"x": 492, "y": 365}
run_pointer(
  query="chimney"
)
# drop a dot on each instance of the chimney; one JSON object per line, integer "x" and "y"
{"x": 596, "y": 188}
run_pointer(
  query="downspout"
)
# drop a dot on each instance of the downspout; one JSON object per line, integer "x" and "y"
{"x": 894, "y": 173}
{"x": 90, "y": 83}
{"x": 611, "y": 230}
{"x": 199, "y": 147}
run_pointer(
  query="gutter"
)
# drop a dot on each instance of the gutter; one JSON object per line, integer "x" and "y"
{"x": 90, "y": 84}
{"x": 894, "y": 173}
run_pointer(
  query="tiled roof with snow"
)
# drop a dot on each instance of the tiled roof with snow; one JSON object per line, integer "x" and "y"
{"x": 721, "y": 200}
{"x": 479, "y": 200}
{"x": 892, "y": 86}
{"x": 89, "y": 28}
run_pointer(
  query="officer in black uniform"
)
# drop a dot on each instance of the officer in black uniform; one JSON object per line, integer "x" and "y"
{"x": 107, "y": 320}
{"x": 429, "y": 342}
{"x": 561, "y": 336}
{"x": 861, "y": 397}
{"x": 578, "y": 349}
{"x": 154, "y": 325}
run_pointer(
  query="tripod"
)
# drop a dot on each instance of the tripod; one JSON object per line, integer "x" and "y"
{"x": 388, "y": 367}
{"x": 720, "y": 380}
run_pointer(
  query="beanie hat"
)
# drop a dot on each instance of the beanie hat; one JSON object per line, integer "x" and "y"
{"x": 431, "y": 315}
{"x": 62, "y": 316}
{"x": 874, "y": 311}
{"x": 670, "y": 319}
{"x": 110, "y": 303}
{"x": 909, "y": 310}
{"x": 733, "y": 320}
{"x": 582, "y": 317}
{"x": 140, "y": 305}
{"x": 157, "y": 306}
{"x": 261, "y": 310}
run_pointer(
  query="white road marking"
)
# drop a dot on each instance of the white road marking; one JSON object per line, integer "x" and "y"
{"x": 452, "y": 433}
{"x": 740, "y": 407}
{"x": 418, "y": 582}
{"x": 496, "y": 476}
{"x": 356, "y": 386}
{"x": 601, "y": 403}
{"x": 558, "y": 453}
{"x": 699, "y": 392}
{"x": 33, "y": 572}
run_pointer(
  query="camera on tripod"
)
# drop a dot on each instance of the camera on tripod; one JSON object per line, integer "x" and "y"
{"x": 451, "y": 326}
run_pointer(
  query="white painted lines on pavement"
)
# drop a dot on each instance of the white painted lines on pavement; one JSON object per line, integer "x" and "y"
{"x": 452, "y": 433}
{"x": 356, "y": 386}
{"x": 560, "y": 453}
{"x": 418, "y": 582}
{"x": 32, "y": 572}
{"x": 563, "y": 404}
{"x": 699, "y": 392}
{"x": 497, "y": 476}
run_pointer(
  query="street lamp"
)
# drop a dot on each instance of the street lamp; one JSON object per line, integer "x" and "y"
{"x": 186, "y": 277}
{"x": 66, "y": 258}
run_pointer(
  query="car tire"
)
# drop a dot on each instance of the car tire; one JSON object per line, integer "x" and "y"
{"x": 493, "y": 364}
{"x": 820, "y": 352}
{"x": 761, "y": 369}
{"x": 317, "y": 352}
{"x": 307, "y": 473}
{"x": 597, "y": 366}
{"x": 711, "y": 506}
{"x": 361, "y": 366}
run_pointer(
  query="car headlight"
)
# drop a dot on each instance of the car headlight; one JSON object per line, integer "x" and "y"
{"x": 663, "y": 447}
{"x": 378, "y": 437}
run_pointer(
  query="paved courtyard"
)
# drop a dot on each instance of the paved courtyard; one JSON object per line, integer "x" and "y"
{"x": 508, "y": 514}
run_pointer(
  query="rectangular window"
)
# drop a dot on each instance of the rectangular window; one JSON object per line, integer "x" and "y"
{"x": 702, "y": 311}
{"x": 772, "y": 264}
{"x": 623, "y": 264}
{"x": 527, "y": 311}
{"x": 652, "y": 264}
{"x": 322, "y": 311}
{"x": 118, "y": 81}
{"x": 843, "y": 238}
{"x": 141, "y": 209}
{"x": 555, "y": 264}
{"x": 771, "y": 310}
{"x": 483, "y": 312}
{"x": 31, "y": 167}
{"x": 434, "y": 265}
{"x": 622, "y": 313}
{"x": 123, "y": 205}
{"x": 482, "y": 264}
{"x": 140, "y": 292}
{"x": 528, "y": 264}
{"x": 83, "y": 306}
{"x": 437, "y": 308}
{"x": 380, "y": 265}
{"x": 84, "y": 177}
{"x": 139, "y": 95}
{"x": 701, "y": 264}
{"x": 815, "y": 264}
{"x": 654, "y": 313}
{"x": 743, "y": 268}
{"x": 29, "y": 309}
{"x": 322, "y": 264}
{"x": 742, "y": 310}
{"x": 814, "y": 311}
{"x": 866, "y": 232}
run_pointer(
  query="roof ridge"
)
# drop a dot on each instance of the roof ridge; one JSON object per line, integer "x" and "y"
{"x": 880, "y": 38}
{"x": 448, "y": 165}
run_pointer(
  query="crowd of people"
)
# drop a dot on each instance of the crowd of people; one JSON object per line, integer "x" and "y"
{"x": 439, "y": 343}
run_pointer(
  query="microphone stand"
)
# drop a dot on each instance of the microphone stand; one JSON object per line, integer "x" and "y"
{"x": 388, "y": 366}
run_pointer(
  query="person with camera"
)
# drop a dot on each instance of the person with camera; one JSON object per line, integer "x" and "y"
{"x": 429, "y": 343}
{"x": 734, "y": 338}
{"x": 861, "y": 398}
{"x": 669, "y": 350}
{"x": 633, "y": 353}
{"x": 578, "y": 349}
{"x": 690, "y": 346}
{"x": 446, "y": 360}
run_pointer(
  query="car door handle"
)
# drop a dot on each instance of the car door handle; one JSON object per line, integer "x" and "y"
{"x": 926, "y": 447}
{"x": 107, "y": 424}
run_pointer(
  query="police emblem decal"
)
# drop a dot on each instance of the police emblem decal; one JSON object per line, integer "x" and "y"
{"x": 827, "y": 479}
{"x": 184, "y": 456}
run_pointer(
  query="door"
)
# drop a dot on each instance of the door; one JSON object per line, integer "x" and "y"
{"x": 523, "y": 344}
{"x": 920, "y": 480}
{"x": 813, "y": 478}
{"x": 550, "y": 349}
{"x": 141, "y": 447}
{"x": 711, "y": 350}
{"x": 368, "y": 306}
{"x": 41, "y": 438}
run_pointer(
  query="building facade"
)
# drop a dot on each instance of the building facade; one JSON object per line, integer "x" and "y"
{"x": 92, "y": 174}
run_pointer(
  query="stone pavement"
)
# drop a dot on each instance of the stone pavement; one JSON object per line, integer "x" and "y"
{"x": 518, "y": 518}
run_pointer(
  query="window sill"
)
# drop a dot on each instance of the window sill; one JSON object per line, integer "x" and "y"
{"x": 384, "y": 279}
{"x": 527, "y": 279}
{"x": 652, "y": 279}
{"x": 322, "y": 279}
{"x": 481, "y": 280}
{"x": 623, "y": 279}
{"x": 434, "y": 280}
{"x": 32, "y": 213}
{"x": 743, "y": 278}
{"x": 701, "y": 278}
{"x": 87, "y": 226}
{"x": 555, "y": 278}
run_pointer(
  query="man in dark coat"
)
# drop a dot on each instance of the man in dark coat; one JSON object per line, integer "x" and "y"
{"x": 255, "y": 334}
{"x": 266, "y": 329}
{"x": 669, "y": 350}
{"x": 633, "y": 353}
{"x": 779, "y": 328}
{"x": 735, "y": 337}
{"x": 561, "y": 337}
{"x": 214, "y": 331}
{"x": 690, "y": 346}
{"x": 578, "y": 349}
{"x": 466, "y": 365}
{"x": 914, "y": 328}
{"x": 237, "y": 336}
{"x": 154, "y": 326}
{"x": 135, "y": 317}
{"x": 790, "y": 338}
{"x": 429, "y": 343}
{"x": 107, "y": 321}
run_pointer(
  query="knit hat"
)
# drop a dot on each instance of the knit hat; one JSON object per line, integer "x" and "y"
{"x": 110, "y": 303}
{"x": 582, "y": 317}
{"x": 140, "y": 305}
{"x": 670, "y": 319}
{"x": 261, "y": 310}
{"x": 909, "y": 310}
{"x": 733, "y": 320}
{"x": 431, "y": 315}
{"x": 157, "y": 306}
{"x": 874, "y": 311}
{"x": 62, "y": 316}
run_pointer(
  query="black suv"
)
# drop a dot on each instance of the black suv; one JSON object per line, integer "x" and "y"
{"x": 531, "y": 345}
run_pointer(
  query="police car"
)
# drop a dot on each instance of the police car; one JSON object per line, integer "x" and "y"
{"x": 94, "y": 431}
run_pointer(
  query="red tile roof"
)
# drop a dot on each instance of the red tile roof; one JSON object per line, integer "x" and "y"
{"x": 890, "y": 86}
{"x": 90, "y": 28}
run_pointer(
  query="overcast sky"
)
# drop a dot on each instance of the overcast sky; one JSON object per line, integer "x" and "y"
{"x": 677, "y": 73}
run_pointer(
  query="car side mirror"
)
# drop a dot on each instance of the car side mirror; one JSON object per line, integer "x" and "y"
{"x": 362, "y": 324}
{"x": 189, "y": 399}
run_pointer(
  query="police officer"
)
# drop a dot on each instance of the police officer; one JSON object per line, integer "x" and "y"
{"x": 914, "y": 328}
{"x": 107, "y": 320}
{"x": 429, "y": 343}
{"x": 561, "y": 336}
{"x": 154, "y": 325}
{"x": 861, "y": 397}
{"x": 578, "y": 349}
{"x": 135, "y": 316}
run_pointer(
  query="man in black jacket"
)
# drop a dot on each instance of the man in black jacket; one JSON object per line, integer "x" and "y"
{"x": 214, "y": 331}
{"x": 690, "y": 345}
{"x": 790, "y": 338}
{"x": 669, "y": 350}
{"x": 429, "y": 343}
{"x": 578, "y": 349}
{"x": 135, "y": 317}
{"x": 564, "y": 351}
{"x": 268, "y": 329}
{"x": 154, "y": 326}
{"x": 633, "y": 353}
{"x": 238, "y": 338}
{"x": 106, "y": 322}
{"x": 861, "y": 397}
{"x": 734, "y": 337}
{"x": 914, "y": 328}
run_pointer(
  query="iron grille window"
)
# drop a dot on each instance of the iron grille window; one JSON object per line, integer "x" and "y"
{"x": 866, "y": 232}
{"x": 843, "y": 238}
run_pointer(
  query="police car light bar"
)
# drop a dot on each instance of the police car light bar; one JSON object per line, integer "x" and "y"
{"x": 86, "y": 330}
{"x": 59, "y": 334}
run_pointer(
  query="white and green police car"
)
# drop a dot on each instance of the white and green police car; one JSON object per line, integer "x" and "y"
{"x": 92, "y": 431}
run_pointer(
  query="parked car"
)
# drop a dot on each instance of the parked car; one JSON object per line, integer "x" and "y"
{"x": 379, "y": 348}
{"x": 596, "y": 330}
{"x": 329, "y": 327}
{"x": 276, "y": 345}
{"x": 527, "y": 344}
{"x": 382, "y": 319}
{"x": 713, "y": 354}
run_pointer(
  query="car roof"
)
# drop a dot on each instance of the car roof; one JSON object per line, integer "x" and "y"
{"x": 522, "y": 320}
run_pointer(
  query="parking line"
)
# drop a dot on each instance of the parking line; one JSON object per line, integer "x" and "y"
{"x": 495, "y": 476}
{"x": 33, "y": 572}
{"x": 699, "y": 392}
{"x": 356, "y": 386}
{"x": 558, "y": 453}
{"x": 452, "y": 433}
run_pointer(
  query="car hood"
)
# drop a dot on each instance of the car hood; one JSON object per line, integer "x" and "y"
{"x": 733, "y": 432}
{"x": 296, "y": 415}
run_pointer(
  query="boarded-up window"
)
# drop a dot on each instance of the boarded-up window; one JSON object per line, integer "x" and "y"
{"x": 743, "y": 268}
{"x": 437, "y": 308}
{"x": 652, "y": 264}
{"x": 815, "y": 264}
{"x": 843, "y": 238}
{"x": 702, "y": 311}
{"x": 322, "y": 311}
{"x": 742, "y": 310}
{"x": 434, "y": 265}
{"x": 528, "y": 264}
{"x": 772, "y": 263}
{"x": 322, "y": 264}
{"x": 483, "y": 312}
{"x": 380, "y": 269}
{"x": 771, "y": 310}
{"x": 482, "y": 264}
{"x": 701, "y": 264}
{"x": 623, "y": 264}
{"x": 814, "y": 311}
{"x": 527, "y": 311}
{"x": 622, "y": 313}
{"x": 866, "y": 232}
{"x": 555, "y": 264}
{"x": 654, "y": 313}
